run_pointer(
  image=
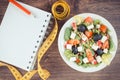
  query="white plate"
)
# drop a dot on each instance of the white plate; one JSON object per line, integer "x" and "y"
{"x": 61, "y": 43}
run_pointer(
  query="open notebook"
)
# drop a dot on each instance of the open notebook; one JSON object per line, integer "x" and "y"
{"x": 21, "y": 35}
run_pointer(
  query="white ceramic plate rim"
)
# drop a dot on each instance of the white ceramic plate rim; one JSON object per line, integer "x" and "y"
{"x": 61, "y": 42}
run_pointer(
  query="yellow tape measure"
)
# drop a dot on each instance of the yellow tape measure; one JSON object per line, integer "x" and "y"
{"x": 43, "y": 73}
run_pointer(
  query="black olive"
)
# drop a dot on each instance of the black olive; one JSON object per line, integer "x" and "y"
{"x": 99, "y": 51}
{"x": 74, "y": 49}
{"x": 82, "y": 28}
{"x": 97, "y": 37}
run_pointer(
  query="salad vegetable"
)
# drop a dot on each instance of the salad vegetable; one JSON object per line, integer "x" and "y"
{"x": 87, "y": 42}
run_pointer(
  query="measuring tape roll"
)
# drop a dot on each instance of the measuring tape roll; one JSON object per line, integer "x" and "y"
{"x": 43, "y": 73}
{"x": 60, "y": 15}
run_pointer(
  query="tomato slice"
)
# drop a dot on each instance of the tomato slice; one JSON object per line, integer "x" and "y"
{"x": 73, "y": 41}
{"x": 89, "y": 55}
{"x": 89, "y": 34}
{"x": 94, "y": 62}
{"x": 77, "y": 61}
{"x": 88, "y": 52}
{"x": 88, "y": 20}
{"x": 103, "y": 28}
{"x": 70, "y": 41}
{"x": 99, "y": 43}
{"x": 76, "y": 42}
{"x": 106, "y": 45}
{"x": 90, "y": 58}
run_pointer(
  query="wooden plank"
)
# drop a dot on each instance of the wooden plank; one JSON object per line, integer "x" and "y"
{"x": 110, "y": 9}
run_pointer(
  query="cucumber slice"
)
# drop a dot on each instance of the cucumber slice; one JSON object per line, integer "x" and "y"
{"x": 68, "y": 54}
{"x": 67, "y": 33}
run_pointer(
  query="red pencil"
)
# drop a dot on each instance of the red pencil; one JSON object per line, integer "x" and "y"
{"x": 20, "y": 7}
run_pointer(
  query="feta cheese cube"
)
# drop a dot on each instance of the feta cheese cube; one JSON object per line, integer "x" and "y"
{"x": 90, "y": 26}
{"x": 85, "y": 60}
{"x": 72, "y": 36}
{"x": 105, "y": 50}
{"x": 99, "y": 59}
{"x": 95, "y": 47}
{"x": 69, "y": 46}
{"x": 73, "y": 59}
{"x": 98, "y": 26}
{"x": 80, "y": 48}
{"x": 84, "y": 37}
{"x": 104, "y": 38}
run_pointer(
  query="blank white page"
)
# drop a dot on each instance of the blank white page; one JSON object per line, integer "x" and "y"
{"x": 21, "y": 35}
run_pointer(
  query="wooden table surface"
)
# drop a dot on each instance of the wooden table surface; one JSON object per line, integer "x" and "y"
{"x": 110, "y": 9}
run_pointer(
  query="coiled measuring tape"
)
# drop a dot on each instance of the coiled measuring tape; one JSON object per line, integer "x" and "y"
{"x": 43, "y": 73}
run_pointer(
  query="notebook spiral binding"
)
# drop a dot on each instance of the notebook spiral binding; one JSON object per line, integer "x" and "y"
{"x": 43, "y": 37}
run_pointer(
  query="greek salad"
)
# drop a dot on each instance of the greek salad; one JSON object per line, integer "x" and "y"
{"x": 87, "y": 42}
